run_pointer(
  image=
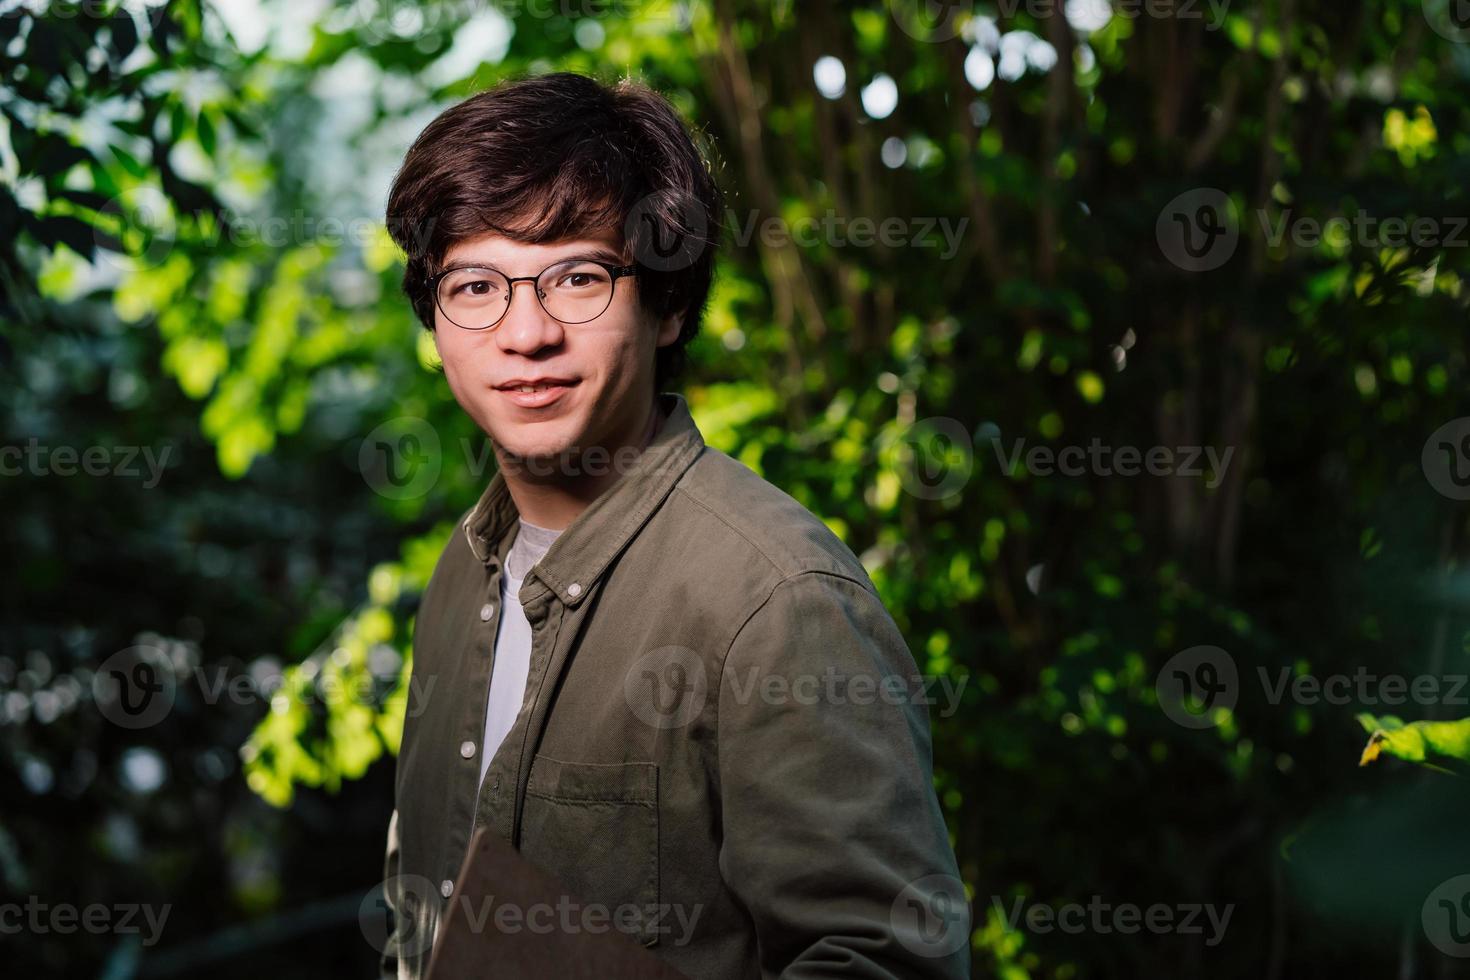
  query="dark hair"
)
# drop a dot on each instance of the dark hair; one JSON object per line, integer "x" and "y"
{"x": 561, "y": 156}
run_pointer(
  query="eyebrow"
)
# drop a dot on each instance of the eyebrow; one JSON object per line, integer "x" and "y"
{"x": 594, "y": 254}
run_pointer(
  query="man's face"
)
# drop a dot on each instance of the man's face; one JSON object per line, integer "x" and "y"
{"x": 602, "y": 370}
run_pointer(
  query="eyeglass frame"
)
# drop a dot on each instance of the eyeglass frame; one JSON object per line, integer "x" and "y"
{"x": 616, "y": 272}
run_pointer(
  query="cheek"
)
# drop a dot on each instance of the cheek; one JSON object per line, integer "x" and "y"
{"x": 449, "y": 357}
{"x": 618, "y": 352}
{"x": 622, "y": 357}
{"x": 639, "y": 337}
{"x": 459, "y": 366}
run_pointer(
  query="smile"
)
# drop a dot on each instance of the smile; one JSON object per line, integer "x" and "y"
{"x": 539, "y": 394}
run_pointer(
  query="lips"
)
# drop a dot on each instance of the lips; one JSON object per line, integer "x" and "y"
{"x": 535, "y": 392}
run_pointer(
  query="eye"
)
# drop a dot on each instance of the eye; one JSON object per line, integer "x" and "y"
{"x": 582, "y": 278}
{"x": 475, "y": 287}
{"x": 466, "y": 284}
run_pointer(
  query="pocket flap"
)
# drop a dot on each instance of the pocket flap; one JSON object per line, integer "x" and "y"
{"x": 627, "y": 782}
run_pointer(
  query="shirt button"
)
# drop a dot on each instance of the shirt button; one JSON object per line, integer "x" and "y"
{"x": 467, "y": 749}
{"x": 446, "y": 888}
{"x": 486, "y": 611}
{"x": 574, "y": 590}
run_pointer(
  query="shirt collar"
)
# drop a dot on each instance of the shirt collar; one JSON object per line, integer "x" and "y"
{"x": 579, "y": 556}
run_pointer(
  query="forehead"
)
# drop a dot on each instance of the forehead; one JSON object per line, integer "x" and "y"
{"x": 523, "y": 258}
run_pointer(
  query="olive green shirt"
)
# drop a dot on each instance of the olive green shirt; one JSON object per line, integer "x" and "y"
{"x": 723, "y": 750}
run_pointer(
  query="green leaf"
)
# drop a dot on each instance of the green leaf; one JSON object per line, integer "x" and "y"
{"x": 129, "y": 162}
{"x": 178, "y": 121}
{"x": 1419, "y": 741}
{"x": 205, "y": 129}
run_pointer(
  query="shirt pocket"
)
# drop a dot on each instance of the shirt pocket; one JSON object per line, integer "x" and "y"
{"x": 595, "y": 827}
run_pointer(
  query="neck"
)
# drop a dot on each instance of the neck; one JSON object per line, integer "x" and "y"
{"x": 553, "y": 500}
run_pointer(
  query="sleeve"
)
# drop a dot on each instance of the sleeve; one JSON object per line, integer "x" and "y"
{"x": 834, "y": 839}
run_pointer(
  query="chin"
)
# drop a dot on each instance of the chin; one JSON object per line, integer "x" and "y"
{"x": 531, "y": 439}
{"x": 531, "y": 449}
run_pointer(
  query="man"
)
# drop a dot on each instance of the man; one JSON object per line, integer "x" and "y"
{"x": 655, "y": 674}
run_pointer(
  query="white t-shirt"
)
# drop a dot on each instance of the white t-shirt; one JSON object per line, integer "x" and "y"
{"x": 512, "y": 641}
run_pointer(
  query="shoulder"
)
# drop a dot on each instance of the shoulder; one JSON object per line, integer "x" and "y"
{"x": 759, "y": 523}
{"x": 788, "y": 590}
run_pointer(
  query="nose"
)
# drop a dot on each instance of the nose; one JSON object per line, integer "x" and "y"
{"x": 527, "y": 328}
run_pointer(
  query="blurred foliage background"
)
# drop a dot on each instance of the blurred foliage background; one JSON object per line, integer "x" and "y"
{"x": 194, "y": 271}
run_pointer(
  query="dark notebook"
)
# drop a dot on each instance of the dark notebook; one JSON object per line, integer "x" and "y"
{"x": 475, "y": 943}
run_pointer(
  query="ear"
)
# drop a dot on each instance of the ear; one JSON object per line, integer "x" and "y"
{"x": 668, "y": 329}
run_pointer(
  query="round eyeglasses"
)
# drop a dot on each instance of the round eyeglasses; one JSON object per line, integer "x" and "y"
{"x": 574, "y": 291}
